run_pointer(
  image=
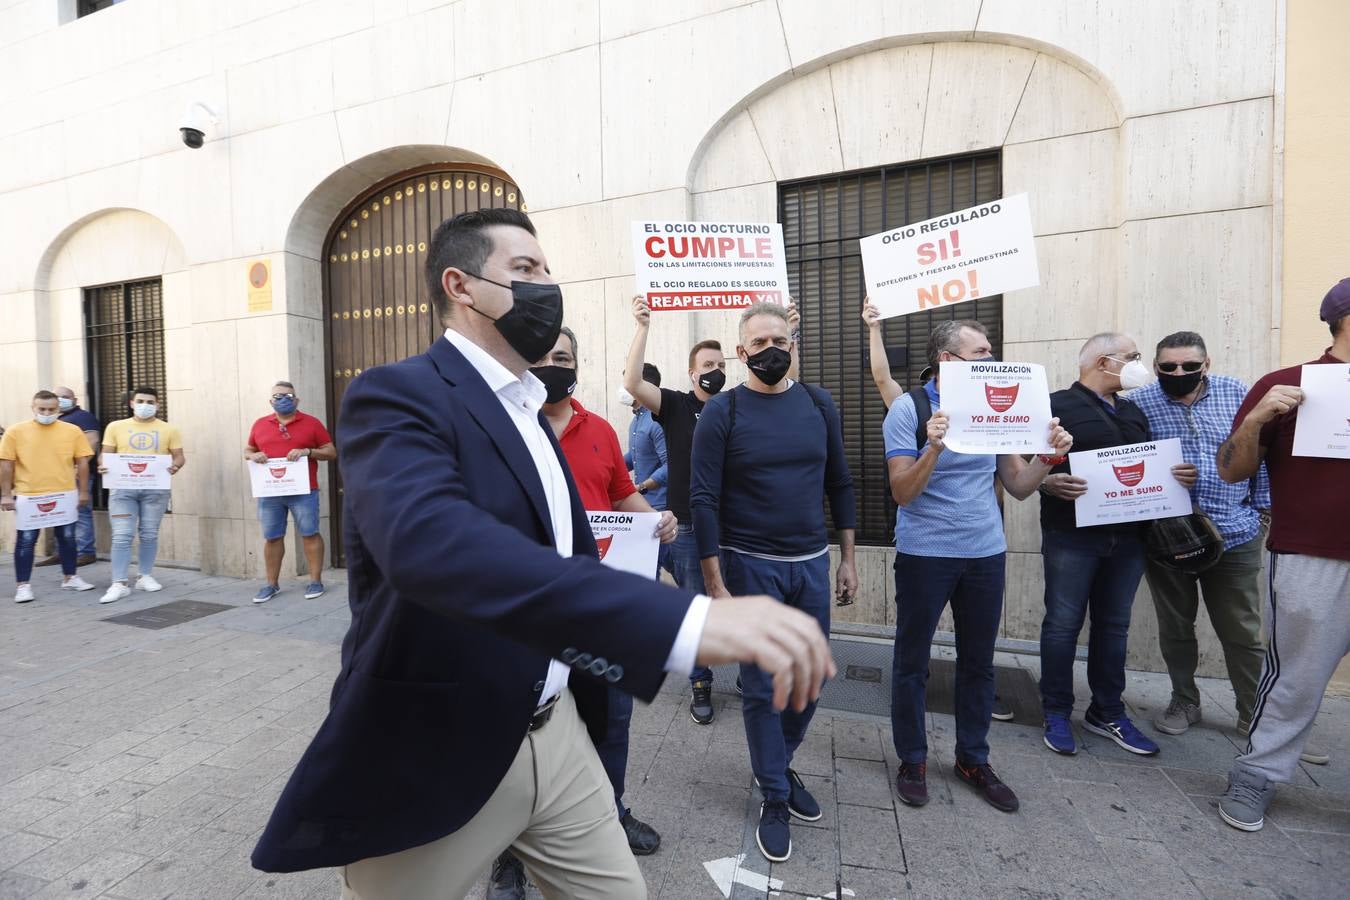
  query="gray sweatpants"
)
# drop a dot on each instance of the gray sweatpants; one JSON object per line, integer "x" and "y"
{"x": 1308, "y": 619}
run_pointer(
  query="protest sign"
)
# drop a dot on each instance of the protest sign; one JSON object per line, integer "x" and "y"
{"x": 626, "y": 541}
{"x": 682, "y": 266}
{"x": 1130, "y": 483}
{"x": 995, "y": 407}
{"x": 1323, "y": 424}
{"x": 972, "y": 253}
{"x": 137, "y": 471}
{"x": 279, "y": 478}
{"x": 46, "y": 510}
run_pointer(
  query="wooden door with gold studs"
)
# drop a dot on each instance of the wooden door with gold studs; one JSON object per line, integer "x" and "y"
{"x": 376, "y": 304}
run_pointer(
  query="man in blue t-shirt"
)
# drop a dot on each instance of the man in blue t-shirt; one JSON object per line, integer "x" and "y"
{"x": 949, "y": 549}
{"x": 765, "y": 457}
{"x": 646, "y": 457}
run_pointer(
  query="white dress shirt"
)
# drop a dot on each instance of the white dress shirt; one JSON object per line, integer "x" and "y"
{"x": 523, "y": 399}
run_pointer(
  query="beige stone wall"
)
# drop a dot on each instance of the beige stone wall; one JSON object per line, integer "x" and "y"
{"x": 1144, "y": 133}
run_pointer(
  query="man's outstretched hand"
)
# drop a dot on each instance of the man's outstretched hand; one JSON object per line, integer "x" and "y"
{"x": 784, "y": 642}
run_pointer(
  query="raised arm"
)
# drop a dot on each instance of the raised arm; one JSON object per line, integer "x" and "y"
{"x": 888, "y": 387}
{"x": 646, "y": 393}
{"x": 1239, "y": 457}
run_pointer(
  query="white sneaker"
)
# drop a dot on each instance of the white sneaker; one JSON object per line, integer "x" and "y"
{"x": 24, "y": 594}
{"x": 116, "y": 591}
{"x": 76, "y": 583}
{"x": 148, "y": 583}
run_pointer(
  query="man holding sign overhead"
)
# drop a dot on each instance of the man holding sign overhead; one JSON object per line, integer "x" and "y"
{"x": 44, "y": 477}
{"x": 950, "y": 549}
{"x": 289, "y": 435}
{"x": 1096, "y": 567}
{"x": 139, "y": 455}
{"x": 1307, "y": 619}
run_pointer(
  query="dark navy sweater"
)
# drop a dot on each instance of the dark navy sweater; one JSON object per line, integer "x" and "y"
{"x": 758, "y": 485}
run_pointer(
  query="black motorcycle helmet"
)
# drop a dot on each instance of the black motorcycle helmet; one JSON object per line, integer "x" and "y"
{"x": 1185, "y": 543}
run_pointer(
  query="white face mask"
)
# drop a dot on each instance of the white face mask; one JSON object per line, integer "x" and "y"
{"x": 45, "y": 420}
{"x": 625, "y": 398}
{"x": 1134, "y": 374}
{"x": 144, "y": 410}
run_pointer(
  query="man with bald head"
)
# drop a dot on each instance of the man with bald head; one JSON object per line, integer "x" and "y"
{"x": 1096, "y": 567}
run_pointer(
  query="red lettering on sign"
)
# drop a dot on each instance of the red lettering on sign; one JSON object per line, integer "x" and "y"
{"x": 1129, "y": 475}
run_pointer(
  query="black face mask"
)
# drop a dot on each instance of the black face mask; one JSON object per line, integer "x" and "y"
{"x": 532, "y": 325}
{"x": 770, "y": 365}
{"x": 1180, "y": 385}
{"x": 559, "y": 381}
{"x": 713, "y": 381}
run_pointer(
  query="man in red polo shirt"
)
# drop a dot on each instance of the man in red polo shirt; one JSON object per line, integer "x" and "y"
{"x": 290, "y": 434}
{"x": 1306, "y": 614}
{"x": 595, "y": 459}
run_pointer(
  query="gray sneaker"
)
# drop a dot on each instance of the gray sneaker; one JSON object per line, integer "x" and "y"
{"x": 1244, "y": 804}
{"x": 1179, "y": 717}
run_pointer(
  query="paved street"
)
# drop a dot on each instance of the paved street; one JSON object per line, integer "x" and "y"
{"x": 141, "y": 764}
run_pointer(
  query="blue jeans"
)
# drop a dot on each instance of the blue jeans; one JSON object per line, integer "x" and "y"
{"x": 687, "y": 570}
{"x": 126, "y": 511}
{"x": 304, "y": 508}
{"x": 1088, "y": 570}
{"x": 613, "y": 750}
{"x": 26, "y": 542}
{"x": 773, "y": 736}
{"x": 924, "y": 585}
{"x": 84, "y": 532}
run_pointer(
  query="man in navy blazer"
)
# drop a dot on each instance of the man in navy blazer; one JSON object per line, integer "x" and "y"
{"x": 484, "y": 630}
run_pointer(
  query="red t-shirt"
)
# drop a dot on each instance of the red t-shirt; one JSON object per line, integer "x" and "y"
{"x": 592, "y": 451}
{"x": 1307, "y": 493}
{"x": 304, "y": 432}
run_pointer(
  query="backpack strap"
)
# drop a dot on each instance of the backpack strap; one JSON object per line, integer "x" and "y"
{"x": 923, "y": 409}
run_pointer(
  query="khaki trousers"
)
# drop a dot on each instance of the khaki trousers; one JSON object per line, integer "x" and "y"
{"x": 554, "y": 809}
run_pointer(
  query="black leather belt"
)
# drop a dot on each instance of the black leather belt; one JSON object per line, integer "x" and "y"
{"x": 543, "y": 714}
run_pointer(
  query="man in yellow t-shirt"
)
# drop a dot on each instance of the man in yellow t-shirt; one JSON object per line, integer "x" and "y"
{"x": 142, "y": 434}
{"x": 44, "y": 456}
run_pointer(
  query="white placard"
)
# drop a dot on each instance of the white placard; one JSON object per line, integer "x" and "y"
{"x": 995, "y": 407}
{"x": 137, "y": 471}
{"x": 627, "y": 541}
{"x": 1323, "y": 424}
{"x": 46, "y": 510}
{"x": 977, "y": 252}
{"x": 681, "y": 266}
{"x": 1130, "y": 483}
{"x": 279, "y": 477}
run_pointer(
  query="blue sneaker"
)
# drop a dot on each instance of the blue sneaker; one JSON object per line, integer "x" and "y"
{"x": 267, "y": 592}
{"x": 315, "y": 589}
{"x": 1122, "y": 731}
{"x": 773, "y": 834}
{"x": 1059, "y": 734}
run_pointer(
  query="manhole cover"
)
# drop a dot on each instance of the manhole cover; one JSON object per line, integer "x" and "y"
{"x": 865, "y": 683}
{"x": 167, "y": 614}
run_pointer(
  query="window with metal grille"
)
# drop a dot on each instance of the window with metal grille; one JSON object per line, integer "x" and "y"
{"x": 124, "y": 349}
{"x": 823, "y": 218}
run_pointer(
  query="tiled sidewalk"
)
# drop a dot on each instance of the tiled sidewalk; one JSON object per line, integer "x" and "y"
{"x": 141, "y": 764}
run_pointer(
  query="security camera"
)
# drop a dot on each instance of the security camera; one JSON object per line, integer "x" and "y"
{"x": 198, "y": 118}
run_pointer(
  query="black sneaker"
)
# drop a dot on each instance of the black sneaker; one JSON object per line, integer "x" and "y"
{"x": 911, "y": 784}
{"x": 800, "y": 802}
{"x": 1002, "y": 711}
{"x": 700, "y": 707}
{"x": 642, "y": 838}
{"x": 990, "y": 786}
{"x": 508, "y": 878}
{"x": 774, "y": 835}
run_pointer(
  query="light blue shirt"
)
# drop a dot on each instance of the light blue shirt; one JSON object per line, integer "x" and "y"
{"x": 956, "y": 515}
{"x": 646, "y": 456}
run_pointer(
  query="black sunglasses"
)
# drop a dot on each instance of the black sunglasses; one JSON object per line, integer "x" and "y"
{"x": 1189, "y": 368}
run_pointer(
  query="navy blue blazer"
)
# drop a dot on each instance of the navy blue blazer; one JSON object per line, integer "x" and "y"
{"x": 458, "y": 599}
